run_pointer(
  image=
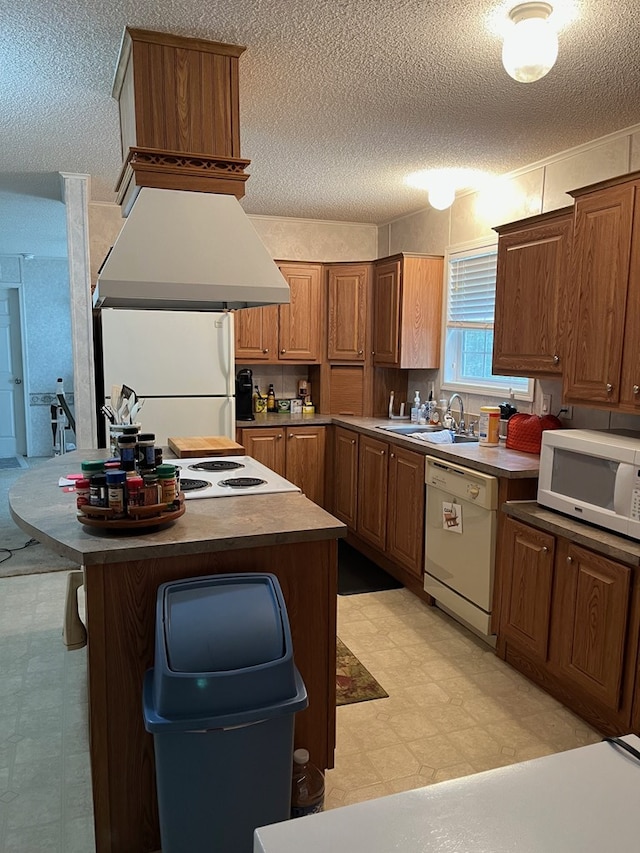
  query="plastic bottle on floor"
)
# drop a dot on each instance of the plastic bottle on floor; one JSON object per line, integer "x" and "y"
{"x": 307, "y": 786}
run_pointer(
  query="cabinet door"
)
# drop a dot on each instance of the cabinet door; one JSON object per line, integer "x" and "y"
{"x": 531, "y": 281}
{"x": 593, "y": 596}
{"x": 630, "y": 382}
{"x": 266, "y": 446}
{"x": 302, "y": 320}
{"x": 602, "y": 247}
{"x": 405, "y": 509}
{"x": 527, "y": 573}
{"x": 256, "y": 332}
{"x": 345, "y": 476}
{"x": 348, "y": 295}
{"x": 386, "y": 314}
{"x": 305, "y": 460}
{"x": 372, "y": 489}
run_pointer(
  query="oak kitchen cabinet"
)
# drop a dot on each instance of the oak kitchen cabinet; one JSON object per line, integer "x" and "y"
{"x": 604, "y": 351}
{"x": 407, "y": 305}
{"x": 570, "y": 620}
{"x": 378, "y": 491}
{"x": 534, "y": 258}
{"x": 295, "y": 452}
{"x": 348, "y": 319}
{"x": 290, "y": 333}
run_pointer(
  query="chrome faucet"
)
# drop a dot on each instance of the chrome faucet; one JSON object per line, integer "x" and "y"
{"x": 459, "y": 427}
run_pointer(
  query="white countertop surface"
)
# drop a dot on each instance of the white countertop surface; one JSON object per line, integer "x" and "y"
{"x": 584, "y": 800}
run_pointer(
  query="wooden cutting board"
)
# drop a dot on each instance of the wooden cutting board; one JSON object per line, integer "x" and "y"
{"x": 207, "y": 445}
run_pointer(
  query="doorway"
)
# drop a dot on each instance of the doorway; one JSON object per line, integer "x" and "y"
{"x": 13, "y": 437}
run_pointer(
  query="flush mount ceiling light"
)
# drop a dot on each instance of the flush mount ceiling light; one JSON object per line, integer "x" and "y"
{"x": 530, "y": 46}
{"x": 441, "y": 184}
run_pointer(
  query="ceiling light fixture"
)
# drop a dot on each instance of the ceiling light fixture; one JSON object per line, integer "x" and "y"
{"x": 442, "y": 184}
{"x": 530, "y": 46}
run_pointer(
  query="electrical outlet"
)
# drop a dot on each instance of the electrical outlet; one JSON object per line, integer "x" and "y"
{"x": 566, "y": 412}
{"x": 546, "y": 404}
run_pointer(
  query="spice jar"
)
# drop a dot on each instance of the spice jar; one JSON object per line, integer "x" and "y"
{"x": 127, "y": 450}
{"x": 135, "y": 492}
{"x": 92, "y": 466}
{"x": 82, "y": 492}
{"x": 98, "y": 490}
{"x": 167, "y": 483}
{"x": 151, "y": 496}
{"x": 146, "y": 451}
{"x": 115, "y": 493}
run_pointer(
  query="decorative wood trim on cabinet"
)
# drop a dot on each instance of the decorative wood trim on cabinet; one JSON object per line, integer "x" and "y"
{"x": 348, "y": 320}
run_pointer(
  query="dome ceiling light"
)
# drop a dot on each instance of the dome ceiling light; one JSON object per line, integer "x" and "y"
{"x": 530, "y": 46}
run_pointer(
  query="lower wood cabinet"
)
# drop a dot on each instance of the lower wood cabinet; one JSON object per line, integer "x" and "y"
{"x": 296, "y": 453}
{"x": 379, "y": 493}
{"x": 570, "y": 620}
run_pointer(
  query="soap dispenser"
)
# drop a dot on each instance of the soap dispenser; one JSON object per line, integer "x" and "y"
{"x": 415, "y": 408}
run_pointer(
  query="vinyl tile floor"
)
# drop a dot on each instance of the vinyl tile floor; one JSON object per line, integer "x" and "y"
{"x": 453, "y": 709}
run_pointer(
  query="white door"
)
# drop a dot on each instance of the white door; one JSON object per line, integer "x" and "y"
{"x": 12, "y": 419}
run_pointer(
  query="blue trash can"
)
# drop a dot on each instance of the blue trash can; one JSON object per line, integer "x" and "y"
{"x": 220, "y": 703}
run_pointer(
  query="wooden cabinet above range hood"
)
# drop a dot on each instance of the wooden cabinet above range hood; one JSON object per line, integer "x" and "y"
{"x": 179, "y": 115}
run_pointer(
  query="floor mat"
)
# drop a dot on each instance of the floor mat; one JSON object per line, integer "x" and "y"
{"x": 354, "y": 682}
{"x": 10, "y": 462}
{"x": 357, "y": 574}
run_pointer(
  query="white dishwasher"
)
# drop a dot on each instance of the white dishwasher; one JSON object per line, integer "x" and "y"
{"x": 460, "y": 542}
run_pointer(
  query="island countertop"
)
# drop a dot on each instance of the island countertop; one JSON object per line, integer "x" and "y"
{"x": 43, "y": 510}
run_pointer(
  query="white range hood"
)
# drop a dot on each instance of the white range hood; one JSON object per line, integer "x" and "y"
{"x": 188, "y": 251}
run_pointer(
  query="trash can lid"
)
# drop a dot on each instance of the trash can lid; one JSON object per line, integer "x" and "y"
{"x": 222, "y": 624}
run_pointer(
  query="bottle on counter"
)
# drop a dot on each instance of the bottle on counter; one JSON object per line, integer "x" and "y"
{"x": 415, "y": 408}
{"x": 135, "y": 492}
{"x": 307, "y": 786}
{"x": 167, "y": 483}
{"x": 271, "y": 399}
{"x": 489, "y": 426}
{"x": 82, "y": 492}
{"x": 146, "y": 451}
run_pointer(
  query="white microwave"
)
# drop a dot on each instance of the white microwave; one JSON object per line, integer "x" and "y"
{"x": 593, "y": 475}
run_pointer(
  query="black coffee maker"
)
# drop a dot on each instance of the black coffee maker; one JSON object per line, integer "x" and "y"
{"x": 244, "y": 395}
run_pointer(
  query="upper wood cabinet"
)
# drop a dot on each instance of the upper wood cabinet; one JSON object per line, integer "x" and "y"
{"x": 349, "y": 296}
{"x": 604, "y": 361}
{"x": 534, "y": 257}
{"x": 292, "y": 332}
{"x": 407, "y": 306}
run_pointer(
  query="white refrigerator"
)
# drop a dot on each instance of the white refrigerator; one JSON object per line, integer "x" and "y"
{"x": 181, "y": 363}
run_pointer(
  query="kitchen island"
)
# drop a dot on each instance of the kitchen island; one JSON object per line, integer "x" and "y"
{"x": 285, "y": 534}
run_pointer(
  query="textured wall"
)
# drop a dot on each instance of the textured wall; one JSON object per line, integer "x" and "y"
{"x": 312, "y": 240}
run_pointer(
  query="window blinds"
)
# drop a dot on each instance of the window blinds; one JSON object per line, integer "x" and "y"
{"x": 472, "y": 291}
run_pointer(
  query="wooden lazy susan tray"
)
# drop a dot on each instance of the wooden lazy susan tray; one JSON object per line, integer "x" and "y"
{"x": 156, "y": 515}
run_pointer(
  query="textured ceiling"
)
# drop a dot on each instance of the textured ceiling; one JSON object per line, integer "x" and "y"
{"x": 340, "y": 99}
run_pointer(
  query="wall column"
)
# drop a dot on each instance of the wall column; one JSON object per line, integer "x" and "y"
{"x": 75, "y": 194}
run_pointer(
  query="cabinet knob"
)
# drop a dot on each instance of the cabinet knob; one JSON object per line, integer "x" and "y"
{"x": 392, "y": 455}
{"x": 569, "y": 560}
{"x": 280, "y": 435}
{"x": 556, "y": 359}
{"x": 545, "y": 550}
{"x": 282, "y": 351}
{"x": 360, "y": 352}
{"x": 290, "y": 435}
{"x": 636, "y": 389}
{"x": 382, "y": 452}
{"x": 353, "y": 441}
{"x": 609, "y": 387}
{"x": 265, "y": 351}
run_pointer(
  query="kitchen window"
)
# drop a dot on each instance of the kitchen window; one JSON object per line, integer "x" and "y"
{"x": 468, "y": 334}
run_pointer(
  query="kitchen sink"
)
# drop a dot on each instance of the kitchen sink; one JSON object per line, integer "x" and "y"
{"x": 408, "y": 429}
{"x": 411, "y": 429}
